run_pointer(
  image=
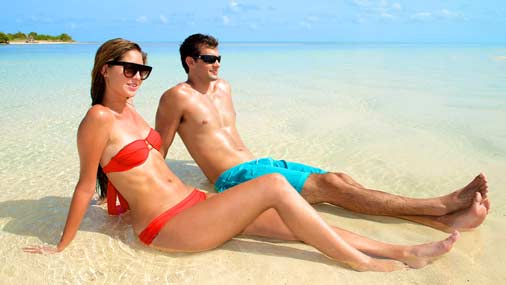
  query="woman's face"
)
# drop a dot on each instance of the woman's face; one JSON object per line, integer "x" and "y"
{"x": 115, "y": 78}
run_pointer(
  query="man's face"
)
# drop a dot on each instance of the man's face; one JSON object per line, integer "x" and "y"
{"x": 207, "y": 64}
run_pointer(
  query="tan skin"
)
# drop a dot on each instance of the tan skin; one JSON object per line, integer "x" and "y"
{"x": 151, "y": 188}
{"x": 201, "y": 111}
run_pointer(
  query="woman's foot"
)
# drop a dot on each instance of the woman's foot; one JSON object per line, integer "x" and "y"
{"x": 379, "y": 265}
{"x": 420, "y": 255}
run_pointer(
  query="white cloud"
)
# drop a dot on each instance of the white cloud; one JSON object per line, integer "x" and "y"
{"x": 361, "y": 19}
{"x": 42, "y": 19}
{"x": 233, "y": 4}
{"x": 363, "y": 3}
{"x": 443, "y": 14}
{"x": 163, "y": 19}
{"x": 397, "y": 6}
{"x": 312, "y": 19}
{"x": 383, "y": 3}
{"x": 447, "y": 14}
{"x": 309, "y": 21}
{"x": 421, "y": 16}
{"x": 226, "y": 20}
{"x": 142, "y": 19}
{"x": 306, "y": 25}
{"x": 377, "y": 9}
{"x": 376, "y": 4}
{"x": 387, "y": 16}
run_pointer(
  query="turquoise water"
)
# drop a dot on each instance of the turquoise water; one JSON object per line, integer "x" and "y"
{"x": 417, "y": 120}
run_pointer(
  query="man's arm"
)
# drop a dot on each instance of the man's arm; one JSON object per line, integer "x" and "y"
{"x": 168, "y": 117}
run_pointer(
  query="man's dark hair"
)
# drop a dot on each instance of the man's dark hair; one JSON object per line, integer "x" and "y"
{"x": 192, "y": 44}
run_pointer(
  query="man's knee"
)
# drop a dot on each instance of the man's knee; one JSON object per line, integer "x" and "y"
{"x": 332, "y": 179}
{"x": 319, "y": 187}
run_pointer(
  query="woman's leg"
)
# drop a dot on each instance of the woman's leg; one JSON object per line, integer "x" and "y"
{"x": 270, "y": 225}
{"x": 221, "y": 217}
{"x": 202, "y": 226}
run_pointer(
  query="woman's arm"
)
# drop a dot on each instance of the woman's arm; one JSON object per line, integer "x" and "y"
{"x": 92, "y": 138}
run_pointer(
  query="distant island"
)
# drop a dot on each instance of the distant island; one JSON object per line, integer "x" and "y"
{"x": 33, "y": 38}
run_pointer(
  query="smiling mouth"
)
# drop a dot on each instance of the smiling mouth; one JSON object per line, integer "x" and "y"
{"x": 132, "y": 85}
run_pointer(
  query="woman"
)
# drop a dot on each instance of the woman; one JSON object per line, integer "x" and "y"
{"x": 172, "y": 216}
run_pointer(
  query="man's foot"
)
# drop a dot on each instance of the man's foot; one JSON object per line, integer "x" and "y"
{"x": 420, "y": 255}
{"x": 463, "y": 198}
{"x": 467, "y": 219}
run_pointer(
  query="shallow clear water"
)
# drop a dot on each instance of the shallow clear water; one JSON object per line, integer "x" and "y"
{"x": 417, "y": 120}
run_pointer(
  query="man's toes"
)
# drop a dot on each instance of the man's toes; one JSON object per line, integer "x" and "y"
{"x": 478, "y": 198}
{"x": 486, "y": 203}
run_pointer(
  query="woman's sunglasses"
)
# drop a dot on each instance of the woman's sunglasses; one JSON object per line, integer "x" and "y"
{"x": 130, "y": 69}
{"x": 209, "y": 59}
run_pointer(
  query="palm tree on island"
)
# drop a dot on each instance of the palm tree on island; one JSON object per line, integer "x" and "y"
{"x": 33, "y": 37}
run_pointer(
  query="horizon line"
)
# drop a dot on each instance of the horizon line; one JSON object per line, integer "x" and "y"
{"x": 306, "y": 42}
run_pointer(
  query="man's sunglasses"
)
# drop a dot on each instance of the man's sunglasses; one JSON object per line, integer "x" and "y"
{"x": 130, "y": 69}
{"x": 209, "y": 59}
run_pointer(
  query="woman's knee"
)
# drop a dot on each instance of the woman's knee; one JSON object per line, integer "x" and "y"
{"x": 274, "y": 183}
{"x": 275, "y": 180}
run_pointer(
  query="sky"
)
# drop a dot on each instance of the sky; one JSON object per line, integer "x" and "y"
{"x": 263, "y": 20}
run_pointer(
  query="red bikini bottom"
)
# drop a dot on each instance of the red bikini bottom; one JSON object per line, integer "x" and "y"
{"x": 151, "y": 231}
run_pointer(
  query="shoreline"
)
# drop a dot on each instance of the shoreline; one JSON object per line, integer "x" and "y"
{"x": 41, "y": 42}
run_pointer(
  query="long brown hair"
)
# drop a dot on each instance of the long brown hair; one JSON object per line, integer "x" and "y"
{"x": 111, "y": 50}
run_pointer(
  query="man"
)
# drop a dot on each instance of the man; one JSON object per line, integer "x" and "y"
{"x": 202, "y": 112}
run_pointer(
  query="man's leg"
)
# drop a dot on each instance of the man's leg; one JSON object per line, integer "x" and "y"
{"x": 341, "y": 190}
{"x": 458, "y": 210}
{"x": 462, "y": 220}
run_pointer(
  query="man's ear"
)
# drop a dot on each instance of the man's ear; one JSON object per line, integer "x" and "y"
{"x": 190, "y": 61}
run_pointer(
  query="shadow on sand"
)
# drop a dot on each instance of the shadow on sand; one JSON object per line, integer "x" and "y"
{"x": 45, "y": 218}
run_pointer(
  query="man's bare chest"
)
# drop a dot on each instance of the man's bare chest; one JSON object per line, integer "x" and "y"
{"x": 210, "y": 113}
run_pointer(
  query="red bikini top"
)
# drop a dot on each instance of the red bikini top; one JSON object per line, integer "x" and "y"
{"x": 130, "y": 156}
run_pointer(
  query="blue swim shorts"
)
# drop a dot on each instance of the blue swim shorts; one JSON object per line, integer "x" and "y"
{"x": 295, "y": 173}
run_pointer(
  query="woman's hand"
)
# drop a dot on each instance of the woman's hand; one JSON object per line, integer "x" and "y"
{"x": 41, "y": 249}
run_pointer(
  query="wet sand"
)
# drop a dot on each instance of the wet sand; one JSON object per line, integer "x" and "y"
{"x": 387, "y": 132}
